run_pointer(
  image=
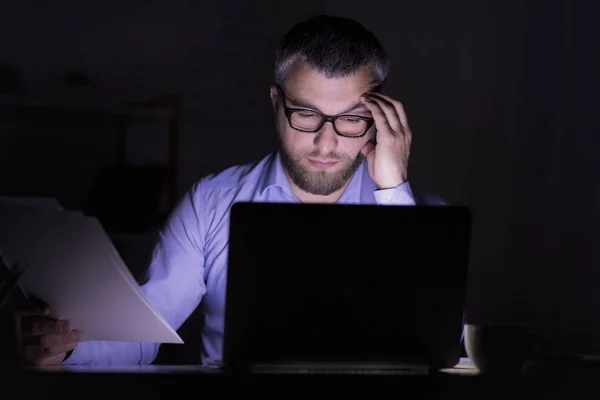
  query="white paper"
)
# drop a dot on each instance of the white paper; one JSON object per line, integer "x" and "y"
{"x": 72, "y": 265}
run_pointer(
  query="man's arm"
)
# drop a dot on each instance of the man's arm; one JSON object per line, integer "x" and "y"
{"x": 175, "y": 285}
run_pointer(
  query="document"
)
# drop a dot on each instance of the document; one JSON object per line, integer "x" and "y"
{"x": 71, "y": 264}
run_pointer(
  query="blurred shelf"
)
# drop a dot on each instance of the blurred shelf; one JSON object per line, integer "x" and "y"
{"x": 124, "y": 107}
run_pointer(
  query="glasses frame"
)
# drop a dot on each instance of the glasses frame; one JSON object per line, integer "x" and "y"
{"x": 288, "y": 111}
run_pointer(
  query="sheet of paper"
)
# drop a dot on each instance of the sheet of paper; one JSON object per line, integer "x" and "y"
{"x": 73, "y": 266}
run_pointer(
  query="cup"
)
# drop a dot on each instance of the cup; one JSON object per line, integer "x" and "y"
{"x": 499, "y": 349}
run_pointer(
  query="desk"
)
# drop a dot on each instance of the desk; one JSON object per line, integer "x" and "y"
{"x": 157, "y": 382}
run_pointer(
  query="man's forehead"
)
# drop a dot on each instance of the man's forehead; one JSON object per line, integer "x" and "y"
{"x": 314, "y": 90}
{"x": 305, "y": 80}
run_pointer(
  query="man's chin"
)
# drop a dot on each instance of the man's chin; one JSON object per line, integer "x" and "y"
{"x": 321, "y": 183}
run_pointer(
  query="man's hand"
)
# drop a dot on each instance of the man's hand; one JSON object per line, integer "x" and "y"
{"x": 45, "y": 340}
{"x": 387, "y": 158}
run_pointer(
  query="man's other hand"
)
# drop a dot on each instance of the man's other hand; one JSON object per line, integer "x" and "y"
{"x": 46, "y": 340}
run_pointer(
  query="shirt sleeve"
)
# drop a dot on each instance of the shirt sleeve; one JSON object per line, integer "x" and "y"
{"x": 174, "y": 287}
{"x": 400, "y": 195}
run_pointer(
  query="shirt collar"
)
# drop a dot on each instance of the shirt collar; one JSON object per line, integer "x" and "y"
{"x": 275, "y": 176}
{"x": 358, "y": 183}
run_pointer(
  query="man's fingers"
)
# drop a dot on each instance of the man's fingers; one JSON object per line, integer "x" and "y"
{"x": 381, "y": 121}
{"x": 37, "y": 326}
{"x": 37, "y": 311}
{"x": 389, "y": 110}
{"x": 63, "y": 348}
{"x": 38, "y": 349}
{"x": 398, "y": 106}
{"x": 47, "y": 326}
{"x": 48, "y": 341}
{"x": 37, "y": 355}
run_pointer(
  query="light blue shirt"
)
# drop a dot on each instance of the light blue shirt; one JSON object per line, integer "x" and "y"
{"x": 189, "y": 263}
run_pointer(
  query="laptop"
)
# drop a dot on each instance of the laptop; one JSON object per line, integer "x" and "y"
{"x": 345, "y": 288}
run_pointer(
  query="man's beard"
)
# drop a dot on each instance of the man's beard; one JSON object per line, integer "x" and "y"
{"x": 322, "y": 183}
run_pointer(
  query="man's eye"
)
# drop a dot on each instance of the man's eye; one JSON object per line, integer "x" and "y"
{"x": 350, "y": 120}
{"x": 307, "y": 114}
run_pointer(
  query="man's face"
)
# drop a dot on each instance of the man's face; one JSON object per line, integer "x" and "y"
{"x": 322, "y": 162}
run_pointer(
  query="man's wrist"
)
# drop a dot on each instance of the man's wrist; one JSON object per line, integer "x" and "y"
{"x": 399, "y": 195}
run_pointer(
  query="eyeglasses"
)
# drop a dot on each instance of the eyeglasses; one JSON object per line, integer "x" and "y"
{"x": 305, "y": 120}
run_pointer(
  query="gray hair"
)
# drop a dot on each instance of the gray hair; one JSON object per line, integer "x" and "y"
{"x": 336, "y": 47}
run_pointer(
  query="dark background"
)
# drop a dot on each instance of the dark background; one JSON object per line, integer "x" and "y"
{"x": 501, "y": 96}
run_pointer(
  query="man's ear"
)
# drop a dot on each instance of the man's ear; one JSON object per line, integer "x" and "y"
{"x": 274, "y": 93}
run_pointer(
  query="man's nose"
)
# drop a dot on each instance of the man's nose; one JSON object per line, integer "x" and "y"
{"x": 326, "y": 139}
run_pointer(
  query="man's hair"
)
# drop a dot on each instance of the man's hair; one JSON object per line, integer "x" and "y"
{"x": 334, "y": 46}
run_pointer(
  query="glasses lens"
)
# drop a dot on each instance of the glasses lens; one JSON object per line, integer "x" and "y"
{"x": 350, "y": 126}
{"x": 305, "y": 120}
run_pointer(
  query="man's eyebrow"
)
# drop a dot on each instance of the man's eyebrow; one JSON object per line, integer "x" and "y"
{"x": 307, "y": 104}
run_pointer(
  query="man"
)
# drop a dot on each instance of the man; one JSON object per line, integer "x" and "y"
{"x": 340, "y": 140}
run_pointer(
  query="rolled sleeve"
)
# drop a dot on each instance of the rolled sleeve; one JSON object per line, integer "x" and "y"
{"x": 400, "y": 195}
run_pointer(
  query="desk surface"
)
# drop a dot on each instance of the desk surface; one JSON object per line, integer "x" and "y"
{"x": 464, "y": 367}
{"x": 162, "y": 381}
